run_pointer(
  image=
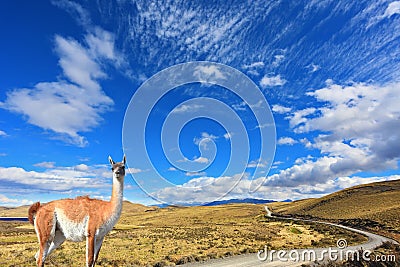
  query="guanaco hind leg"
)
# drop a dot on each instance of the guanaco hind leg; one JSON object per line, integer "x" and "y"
{"x": 45, "y": 235}
{"x": 59, "y": 238}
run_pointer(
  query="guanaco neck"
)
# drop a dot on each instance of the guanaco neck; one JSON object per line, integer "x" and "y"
{"x": 117, "y": 195}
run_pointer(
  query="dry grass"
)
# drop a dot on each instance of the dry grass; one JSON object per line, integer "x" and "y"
{"x": 375, "y": 207}
{"x": 21, "y": 211}
{"x": 160, "y": 237}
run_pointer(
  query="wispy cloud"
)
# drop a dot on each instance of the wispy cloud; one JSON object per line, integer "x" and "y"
{"x": 76, "y": 10}
{"x": 313, "y": 67}
{"x": 187, "y": 108}
{"x": 3, "y": 133}
{"x": 393, "y": 8}
{"x": 134, "y": 170}
{"x": 151, "y": 33}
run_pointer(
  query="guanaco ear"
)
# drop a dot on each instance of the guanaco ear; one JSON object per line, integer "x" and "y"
{"x": 124, "y": 160}
{"x": 111, "y": 160}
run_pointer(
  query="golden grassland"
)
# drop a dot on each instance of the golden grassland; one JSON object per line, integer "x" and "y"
{"x": 148, "y": 236}
{"x": 374, "y": 207}
{"x": 21, "y": 211}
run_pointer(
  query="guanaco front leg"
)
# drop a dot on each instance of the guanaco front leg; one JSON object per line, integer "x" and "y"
{"x": 90, "y": 244}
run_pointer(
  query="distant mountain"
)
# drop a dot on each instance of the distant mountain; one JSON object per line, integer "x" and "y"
{"x": 245, "y": 200}
{"x": 224, "y": 202}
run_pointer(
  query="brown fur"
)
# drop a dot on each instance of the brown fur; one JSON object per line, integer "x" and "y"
{"x": 98, "y": 210}
{"x": 32, "y": 211}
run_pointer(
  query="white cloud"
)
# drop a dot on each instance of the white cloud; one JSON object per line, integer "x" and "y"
{"x": 205, "y": 140}
{"x": 60, "y": 179}
{"x": 307, "y": 173}
{"x": 172, "y": 169}
{"x": 134, "y": 170}
{"x": 228, "y": 136}
{"x": 277, "y": 60}
{"x": 201, "y": 160}
{"x": 356, "y": 129}
{"x": 286, "y": 141}
{"x": 82, "y": 168}
{"x": 101, "y": 45}
{"x": 272, "y": 81}
{"x": 280, "y": 109}
{"x": 259, "y": 163}
{"x": 68, "y": 107}
{"x": 306, "y": 142}
{"x": 254, "y": 65}
{"x": 393, "y": 8}
{"x": 195, "y": 173}
{"x": 254, "y": 68}
{"x": 187, "y": 108}
{"x": 209, "y": 74}
{"x": 202, "y": 189}
{"x": 299, "y": 117}
{"x": 3, "y": 133}
{"x": 11, "y": 202}
{"x": 45, "y": 164}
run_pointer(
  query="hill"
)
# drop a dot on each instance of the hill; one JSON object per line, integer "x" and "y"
{"x": 375, "y": 207}
{"x": 21, "y": 211}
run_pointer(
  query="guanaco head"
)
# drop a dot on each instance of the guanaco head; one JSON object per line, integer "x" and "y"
{"x": 118, "y": 168}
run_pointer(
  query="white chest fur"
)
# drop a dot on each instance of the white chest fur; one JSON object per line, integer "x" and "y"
{"x": 109, "y": 224}
{"x": 73, "y": 230}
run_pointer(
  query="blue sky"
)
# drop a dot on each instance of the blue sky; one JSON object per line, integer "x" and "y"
{"x": 322, "y": 115}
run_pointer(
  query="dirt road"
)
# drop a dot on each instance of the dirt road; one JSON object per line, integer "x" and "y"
{"x": 299, "y": 256}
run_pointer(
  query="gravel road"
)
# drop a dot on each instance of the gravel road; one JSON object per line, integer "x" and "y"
{"x": 285, "y": 258}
